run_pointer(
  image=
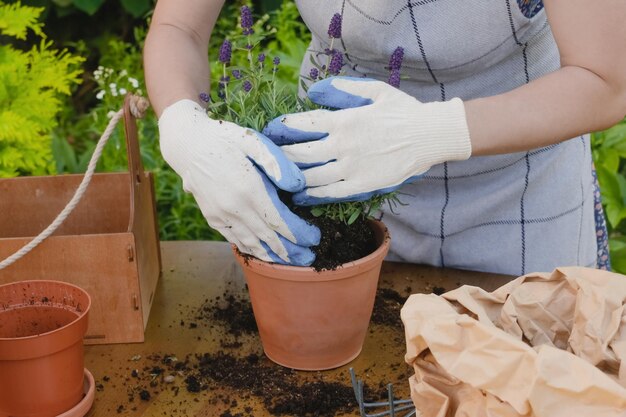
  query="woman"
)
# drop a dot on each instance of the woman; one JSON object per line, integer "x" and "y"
{"x": 514, "y": 85}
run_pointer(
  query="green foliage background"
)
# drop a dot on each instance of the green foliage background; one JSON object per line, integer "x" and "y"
{"x": 110, "y": 35}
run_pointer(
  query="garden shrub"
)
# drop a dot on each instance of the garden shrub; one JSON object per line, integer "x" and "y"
{"x": 32, "y": 83}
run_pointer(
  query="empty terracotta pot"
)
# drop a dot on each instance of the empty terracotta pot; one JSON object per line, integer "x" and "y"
{"x": 42, "y": 324}
{"x": 312, "y": 320}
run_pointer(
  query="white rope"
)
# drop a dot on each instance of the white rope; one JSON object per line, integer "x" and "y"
{"x": 136, "y": 110}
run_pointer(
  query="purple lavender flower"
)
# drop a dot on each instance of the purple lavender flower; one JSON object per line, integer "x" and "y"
{"x": 395, "y": 62}
{"x": 221, "y": 94}
{"x": 204, "y": 97}
{"x": 314, "y": 73}
{"x": 276, "y": 61}
{"x": 237, "y": 74}
{"x": 334, "y": 29}
{"x": 246, "y": 20}
{"x": 226, "y": 51}
{"x": 249, "y": 47}
{"x": 224, "y": 80}
{"x": 247, "y": 86}
{"x": 394, "y": 78}
{"x": 261, "y": 58}
{"x": 336, "y": 62}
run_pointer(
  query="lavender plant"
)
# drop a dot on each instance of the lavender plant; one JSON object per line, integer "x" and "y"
{"x": 249, "y": 96}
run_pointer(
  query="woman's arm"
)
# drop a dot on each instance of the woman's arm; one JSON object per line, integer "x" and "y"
{"x": 175, "y": 53}
{"x": 587, "y": 93}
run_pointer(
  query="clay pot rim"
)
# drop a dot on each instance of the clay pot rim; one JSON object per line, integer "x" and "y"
{"x": 72, "y": 323}
{"x": 307, "y": 273}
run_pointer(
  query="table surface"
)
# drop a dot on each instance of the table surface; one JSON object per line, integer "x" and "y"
{"x": 152, "y": 378}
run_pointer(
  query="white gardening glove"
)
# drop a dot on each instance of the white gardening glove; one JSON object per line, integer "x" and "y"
{"x": 380, "y": 139}
{"x": 233, "y": 173}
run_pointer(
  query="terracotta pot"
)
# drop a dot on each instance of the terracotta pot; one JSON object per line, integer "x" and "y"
{"x": 42, "y": 324}
{"x": 312, "y": 320}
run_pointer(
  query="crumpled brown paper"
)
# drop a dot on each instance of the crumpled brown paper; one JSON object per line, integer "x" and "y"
{"x": 544, "y": 345}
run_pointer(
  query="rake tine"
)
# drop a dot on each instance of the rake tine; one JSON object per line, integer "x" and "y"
{"x": 392, "y": 412}
{"x": 394, "y": 406}
{"x": 361, "y": 402}
{"x": 359, "y": 398}
{"x": 385, "y": 403}
{"x": 386, "y": 413}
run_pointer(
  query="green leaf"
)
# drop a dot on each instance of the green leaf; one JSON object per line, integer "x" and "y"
{"x": 608, "y": 158}
{"x": 15, "y": 20}
{"x": 317, "y": 211}
{"x": 617, "y": 243}
{"x": 608, "y": 184}
{"x": 63, "y": 155}
{"x": 136, "y": 7}
{"x": 618, "y": 259}
{"x": 354, "y": 216}
{"x": 615, "y": 137}
{"x": 615, "y": 213}
{"x": 62, "y": 3}
{"x": 88, "y": 6}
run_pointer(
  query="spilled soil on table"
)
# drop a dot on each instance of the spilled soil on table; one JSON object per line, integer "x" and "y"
{"x": 281, "y": 391}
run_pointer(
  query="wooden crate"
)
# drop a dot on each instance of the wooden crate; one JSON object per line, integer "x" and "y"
{"x": 108, "y": 246}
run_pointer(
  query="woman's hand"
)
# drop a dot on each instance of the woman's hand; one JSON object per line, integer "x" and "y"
{"x": 380, "y": 139}
{"x": 233, "y": 173}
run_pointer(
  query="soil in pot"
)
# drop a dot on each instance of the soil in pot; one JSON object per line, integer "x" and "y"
{"x": 340, "y": 243}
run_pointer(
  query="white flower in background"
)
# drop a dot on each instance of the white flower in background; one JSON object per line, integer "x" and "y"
{"x": 100, "y": 94}
{"x": 133, "y": 82}
{"x": 122, "y": 91}
{"x": 111, "y": 114}
{"x": 123, "y": 73}
{"x": 113, "y": 88}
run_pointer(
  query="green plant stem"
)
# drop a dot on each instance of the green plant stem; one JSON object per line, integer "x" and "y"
{"x": 225, "y": 83}
{"x": 249, "y": 48}
{"x": 332, "y": 41}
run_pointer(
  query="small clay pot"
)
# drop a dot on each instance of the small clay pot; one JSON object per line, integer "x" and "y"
{"x": 310, "y": 320}
{"x": 42, "y": 324}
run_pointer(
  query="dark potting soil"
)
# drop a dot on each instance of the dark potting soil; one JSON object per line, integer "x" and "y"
{"x": 340, "y": 243}
{"x": 387, "y": 306}
{"x": 277, "y": 388}
{"x": 234, "y": 312}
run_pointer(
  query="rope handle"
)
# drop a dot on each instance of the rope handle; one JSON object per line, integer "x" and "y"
{"x": 134, "y": 107}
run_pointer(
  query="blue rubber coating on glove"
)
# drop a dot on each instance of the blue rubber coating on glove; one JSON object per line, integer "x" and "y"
{"x": 304, "y": 199}
{"x": 291, "y": 178}
{"x": 281, "y": 134}
{"x": 305, "y": 233}
{"x": 325, "y": 94}
{"x": 298, "y": 255}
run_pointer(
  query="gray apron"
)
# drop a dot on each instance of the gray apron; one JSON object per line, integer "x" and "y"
{"x": 514, "y": 213}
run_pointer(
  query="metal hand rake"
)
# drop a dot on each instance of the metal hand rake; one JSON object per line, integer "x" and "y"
{"x": 391, "y": 407}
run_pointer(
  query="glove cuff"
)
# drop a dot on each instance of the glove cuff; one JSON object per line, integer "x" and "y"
{"x": 448, "y": 135}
